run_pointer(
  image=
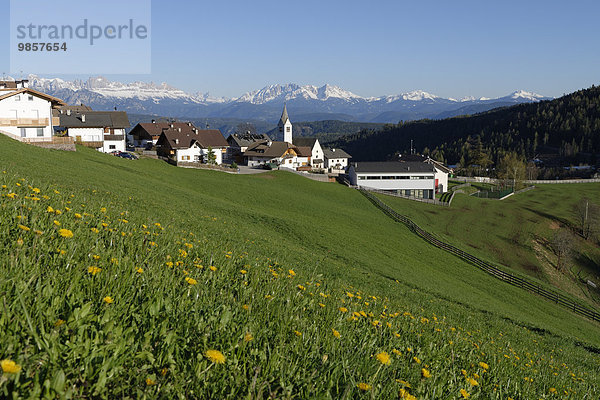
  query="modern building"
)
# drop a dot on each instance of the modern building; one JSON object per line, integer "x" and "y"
{"x": 416, "y": 179}
{"x": 441, "y": 171}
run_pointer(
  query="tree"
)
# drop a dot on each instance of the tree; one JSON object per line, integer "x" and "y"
{"x": 212, "y": 158}
{"x": 562, "y": 244}
{"x": 587, "y": 217}
{"x": 512, "y": 169}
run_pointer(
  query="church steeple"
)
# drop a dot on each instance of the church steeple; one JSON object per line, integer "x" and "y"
{"x": 285, "y": 126}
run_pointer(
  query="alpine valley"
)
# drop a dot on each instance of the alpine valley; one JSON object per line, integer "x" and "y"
{"x": 308, "y": 103}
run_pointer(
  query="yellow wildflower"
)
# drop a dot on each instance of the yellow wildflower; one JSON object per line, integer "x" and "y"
{"x": 139, "y": 270}
{"x": 212, "y": 268}
{"x": 150, "y": 382}
{"x": 298, "y": 333}
{"x": 215, "y": 356}
{"x": 484, "y": 365}
{"x": 56, "y": 223}
{"x": 65, "y": 233}
{"x": 291, "y": 272}
{"x": 191, "y": 281}
{"x": 336, "y": 333}
{"x": 472, "y": 382}
{"x": 246, "y": 307}
{"x": 94, "y": 270}
{"x": 108, "y": 300}
{"x": 343, "y": 309}
{"x": 23, "y": 227}
{"x": 384, "y": 358}
{"x": 78, "y": 216}
{"x": 405, "y": 395}
{"x": 248, "y": 337}
{"x": 10, "y": 367}
{"x": 364, "y": 386}
{"x": 464, "y": 394}
{"x": 243, "y": 272}
{"x": 59, "y": 322}
{"x": 301, "y": 287}
{"x": 425, "y": 373}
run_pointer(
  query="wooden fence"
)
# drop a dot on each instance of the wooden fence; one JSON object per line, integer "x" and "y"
{"x": 483, "y": 265}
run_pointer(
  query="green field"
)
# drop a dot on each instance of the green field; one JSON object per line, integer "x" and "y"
{"x": 517, "y": 232}
{"x": 287, "y": 253}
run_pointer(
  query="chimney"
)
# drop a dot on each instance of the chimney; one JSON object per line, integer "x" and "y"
{"x": 333, "y": 150}
{"x": 82, "y": 117}
{"x": 269, "y": 143}
{"x": 69, "y": 112}
{"x": 153, "y": 121}
{"x": 172, "y": 125}
{"x": 176, "y": 141}
{"x": 179, "y": 129}
{"x": 189, "y": 124}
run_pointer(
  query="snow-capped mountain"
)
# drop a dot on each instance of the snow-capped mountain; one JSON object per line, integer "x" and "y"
{"x": 305, "y": 102}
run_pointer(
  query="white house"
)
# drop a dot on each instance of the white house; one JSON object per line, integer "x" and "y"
{"x": 336, "y": 160}
{"x": 284, "y": 154}
{"x": 408, "y": 178}
{"x": 102, "y": 130}
{"x": 194, "y": 146}
{"x": 26, "y": 114}
{"x": 285, "y": 126}
{"x": 316, "y": 150}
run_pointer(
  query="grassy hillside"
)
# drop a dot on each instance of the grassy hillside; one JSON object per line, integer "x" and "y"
{"x": 518, "y": 232}
{"x": 313, "y": 292}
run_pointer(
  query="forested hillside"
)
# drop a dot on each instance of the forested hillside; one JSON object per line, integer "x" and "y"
{"x": 568, "y": 127}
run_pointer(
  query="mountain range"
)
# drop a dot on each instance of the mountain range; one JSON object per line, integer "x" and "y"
{"x": 305, "y": 103}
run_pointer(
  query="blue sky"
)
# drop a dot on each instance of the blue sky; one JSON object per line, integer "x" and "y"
{"x": 452, "y": 49}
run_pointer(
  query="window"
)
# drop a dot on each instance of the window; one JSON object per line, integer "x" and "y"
{"x": 40, "y": 132}
{"x": 112, "y": 146}
{"x": 23, "y": 132}
{"x": 287, "y": 128}
{"x": 30, "y": 98}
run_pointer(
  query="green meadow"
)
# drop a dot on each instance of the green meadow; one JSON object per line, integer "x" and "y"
{"x": 136, "y": 279}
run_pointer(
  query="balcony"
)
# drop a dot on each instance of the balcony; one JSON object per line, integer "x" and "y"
{"x": 25, "y": 122}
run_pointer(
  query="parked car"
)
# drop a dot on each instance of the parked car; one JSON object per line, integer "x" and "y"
{"x": 127, "y": 156}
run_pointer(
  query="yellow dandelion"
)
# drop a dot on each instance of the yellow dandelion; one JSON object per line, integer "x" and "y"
{"x": 301, "y": 287}
{"x": 472, "y": 382}
{"x": 243, "y": 272}
{"x": 57, "y": 212}
{"x": 425, "y": 373}
{"x": 95, "y": 230}
{"x": 552, "y": 390}
{"x": 321, "y": 305}
{"x": 403, "y": 383}
{"x": 396, "y": 352}
{"x": 298, "y": 333}
{"x": 248, "y": 337}
{"x": 191, "y": 281}
{"x": 10, "y": 367}
{"x": 65, "y": 233}
{"x": 336, "y": 333}
{"x": 108, "y": 300}
{"x": 212, "y": 268}
{"x": 384, "y": 358}
{"x": 291, "y": 272}
{"x": 59, "y": 322}
{"x": 56, "y": 223}
{"x": 24, "y": 228}
{"x": 215, "y": 356}
{"x": 94, "y": 270}
{"x": 364, "y": 386}
{"x": 78, "y": 216}
{"x": 416, "y": 359}
{"x": 343, "y": 309}
{"x": 150, "y": 382}
{"x": 139, "y": 270}
{"x": 484, "y": 365}
{"x": 405, "y": 395}
{"x": 464, "y": 394}
{"x": 164, "y": 371}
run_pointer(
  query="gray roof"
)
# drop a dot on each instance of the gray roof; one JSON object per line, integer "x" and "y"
{"x": 276, "y": 149}
{"x": 94, "y": 119}
{"x": 335, "y": 153}
{"x": 304, "y": 141}
{"x": 393, "y": 166}
{"x": 284, "y": 116}
{"x": 246, "y": 139}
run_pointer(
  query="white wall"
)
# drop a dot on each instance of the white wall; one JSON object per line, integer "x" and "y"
{"x": 332, "y": 162}
{"x": 25, "y": 109}
{"x": 287, "y": 131}
{"x": 193, "y": 153}
{"x": 393, "y": 184}
{"x": 442, "y": 178}
{"x": 317, "y": 152}
{"x": 119, "y": 145}
{"x": 87, "y": 134}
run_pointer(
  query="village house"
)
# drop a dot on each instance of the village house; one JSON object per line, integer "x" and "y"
{"x": 317, "y": 157}
{"x": 283, "y": 154}
{"x": 409, "y": 178}
{"x": 179, "y": 145}
{"x": 336, "y": 160}
{"x": 239, "y": 143}
{"x": 101, "y": 130}
{"x": 26, "y": 114}
{"x": 146, "y": 133}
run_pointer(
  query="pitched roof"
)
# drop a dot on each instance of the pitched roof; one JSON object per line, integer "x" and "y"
{"x": 51, "y": 99}
{"x": 304, "y": 151}
{"x": 425, "y": 159}
{"x": 335, "y": 153}
{"x": 147, "y": 129}
{"x": 393, "y": 166}
{"x": 284, "y": 116}
{"x": 94, "y": 119}
{"x": 262, "y": 149}
{"x": 184, "y": 140}
{"x": 246, "y": 139}
{"x": 305, "y": 141}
